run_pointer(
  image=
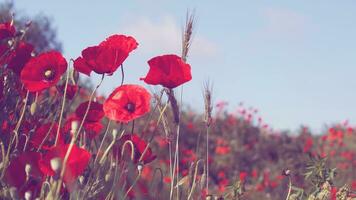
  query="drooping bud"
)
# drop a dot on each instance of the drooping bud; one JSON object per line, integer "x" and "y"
{"x": 286, "y": 172}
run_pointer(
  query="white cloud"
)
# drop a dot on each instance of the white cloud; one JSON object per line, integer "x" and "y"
{"x": 284, "y": 22}
{"x": 164, "y": 36}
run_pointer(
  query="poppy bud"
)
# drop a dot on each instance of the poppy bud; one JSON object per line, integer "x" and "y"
{"x": 107, "y": 177}
{"x": 74, "y": 126}
{"x": 10, "y": 43}
{"x": 209, "y": 197}
{"x": 33, "y": 108}
{"x": 27, "y": 170}
{"x": 56, "y": 164}
{"x": 81, "y": 180}
{"x": 139, "y": 167}
{"x": 114, "y": 133}
{"x": 286, "y": 172}
{"x": 28, "y": 195}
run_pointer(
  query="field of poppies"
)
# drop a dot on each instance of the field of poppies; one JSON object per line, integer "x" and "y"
{"x": 59, "y": 139}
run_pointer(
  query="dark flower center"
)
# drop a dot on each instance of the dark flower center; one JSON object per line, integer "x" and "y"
{"x": 130, "y": 107}
{"x": 49, "y": 75}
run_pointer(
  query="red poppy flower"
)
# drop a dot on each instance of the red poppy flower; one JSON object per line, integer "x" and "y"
{"x": 7, "y": 30}
{"x": 16, "y": 173}
{"x": 127, "y": 102}
{"x": 68, "y": 124}
{"x": 169, "y": 71}
{"x": 71, "y": 90}
{"x": 77, "y": 161}
{"x": 139, "y": 145}
{"x": 243, "y": 176}
{"x": 93, "y": 129}
{"x": 19, "y": 57}
{"x": 95, "y": 112}
{"x": 45, "y": 136}
{"x": 107, "y": 56}
{"x": 43, "y": 71}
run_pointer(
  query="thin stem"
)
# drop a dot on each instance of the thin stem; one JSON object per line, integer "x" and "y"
{"x": 194, "y": 178}
{"x": 133, "y": 184}
{"x": 6, "y": 158}
{"x": 102, "y": 141}
{"x": 74, "y": 138}
{"x": 176, "y": 154}
{"x": 62, "y": 109}
{"x": 289, "y": 188}
{"x": 45, "y": 138}
{"x": 207, "y": 159}
{"x": 154, "y": 133}
{"x": 88, "y": 107}
{"x": 133, "y": 127}
{"x": 122, "y": 74}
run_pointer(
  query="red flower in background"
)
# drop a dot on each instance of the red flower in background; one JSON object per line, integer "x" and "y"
{"x": 127, "y": 102}
{"x": 107, "y": 56}
{"x": 169, "y": 71}
{"x": 93, "y": 129}
{"x": 77, "y": 161}
{"x": 95, "y": 112}
{"x": 243, "y": 175}
{"x": 71, "y": 90}
{"x": 308, "y": 144}
{"x": 16, "y": 173}
{"x": 45, "y": 136}
{"x": 7, "y": 30}
{"x": 43, "y": 71}
{"x": 139, "y": 148}
{"x": 1, "y": 88}
{"x": 19, "y": 57}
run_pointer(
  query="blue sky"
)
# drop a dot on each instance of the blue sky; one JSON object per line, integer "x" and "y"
{"x": 293, "y": 60}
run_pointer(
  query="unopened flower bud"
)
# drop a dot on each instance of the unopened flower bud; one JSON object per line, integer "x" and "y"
{"x": 286, "y": 172}
{"x": 209, "y": 197}
{"x": 28, "y": 169}
{"x": 139, "y": 167}
{"x": 107, "y": 177}
{"x": 56, "y": 164}
{"x": 114, "y": 133}
{"x": 74, "y": 126}
{"x": 10, "y": 42}
{"x": 28, "y": 195}
{"x": 81, "y": 180}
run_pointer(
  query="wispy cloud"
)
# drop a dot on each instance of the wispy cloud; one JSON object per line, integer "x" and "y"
{"x": 283, "y": 22}
{"x": 164, "y": 36}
